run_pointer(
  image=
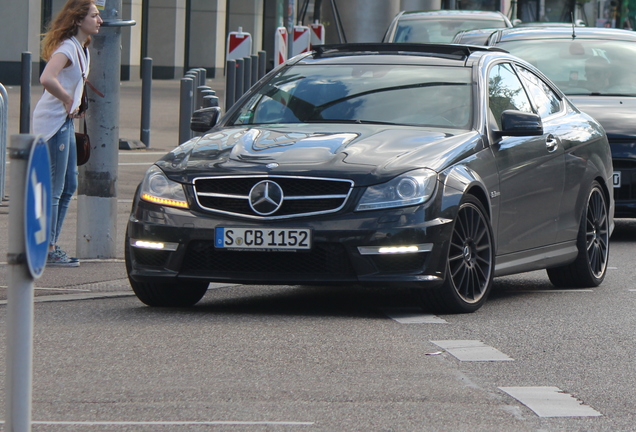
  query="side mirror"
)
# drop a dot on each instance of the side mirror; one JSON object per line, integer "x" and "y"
{"x": 519, "y": 123}
{"x": 204, "y": 119}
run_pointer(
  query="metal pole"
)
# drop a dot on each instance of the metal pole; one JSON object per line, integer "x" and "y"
{"x": 97, "y": 192}
{"x": 19, "y": 376}
{"x": 25, "y": 94}
{"x": 185, "y": 109}
{"x": 230, "y": 84}
{"x": 146, "y": 95}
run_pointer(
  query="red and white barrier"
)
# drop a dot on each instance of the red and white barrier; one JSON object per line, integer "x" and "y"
{"x": 239, "y": 45}
{"x": 317, "y": 34}
{"x": 280, "y": 46}
{"x": 302, "y": 40}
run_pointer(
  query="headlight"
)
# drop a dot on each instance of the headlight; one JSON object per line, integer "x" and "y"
{"x": 411, "y": 188}
{"x": 158, "y": 189}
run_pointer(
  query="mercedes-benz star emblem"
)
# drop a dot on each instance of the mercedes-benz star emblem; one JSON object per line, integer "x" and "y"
{"x": 266, "y": 197}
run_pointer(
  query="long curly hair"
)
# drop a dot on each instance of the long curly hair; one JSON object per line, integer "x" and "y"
{"x": 64, "y": 26}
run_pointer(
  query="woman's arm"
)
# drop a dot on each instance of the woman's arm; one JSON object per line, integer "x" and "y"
{"x": 49, "y": 80}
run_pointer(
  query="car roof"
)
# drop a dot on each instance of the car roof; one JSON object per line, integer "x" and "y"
{"x": 415, "y": 53}
{"x": 558, "y": 32}
{"x": 464, "y": 14}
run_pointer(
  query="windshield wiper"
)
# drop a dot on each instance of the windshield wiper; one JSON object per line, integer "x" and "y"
{"x": 352, "y": 121}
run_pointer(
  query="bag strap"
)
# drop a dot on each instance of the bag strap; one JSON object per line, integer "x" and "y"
{"x": 85, "y": 57}
{"x": 94, "y": 89}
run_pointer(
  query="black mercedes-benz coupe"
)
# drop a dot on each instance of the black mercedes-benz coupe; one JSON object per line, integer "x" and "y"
{"x": 436, "y": 167}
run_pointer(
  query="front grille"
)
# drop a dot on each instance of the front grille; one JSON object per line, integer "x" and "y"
{"x": 150, "y": 257}
{"x": 627, "y": 168}
{"x": 302, "y": 196}
{"x": 324, "y": 258}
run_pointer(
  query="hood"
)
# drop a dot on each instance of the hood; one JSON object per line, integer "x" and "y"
{"x": 617, "y": 114}
{"x": 367, "y": 154}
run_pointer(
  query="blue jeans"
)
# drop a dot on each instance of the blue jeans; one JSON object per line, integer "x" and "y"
{"x": 63, "y": 154}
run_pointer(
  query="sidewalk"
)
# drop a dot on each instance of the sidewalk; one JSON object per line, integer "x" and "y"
{"x": 103, "y": 277}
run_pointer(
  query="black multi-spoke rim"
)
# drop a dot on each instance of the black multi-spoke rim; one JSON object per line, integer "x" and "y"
{"x": 597, "y": 233}
{"x": 470, "y": 254}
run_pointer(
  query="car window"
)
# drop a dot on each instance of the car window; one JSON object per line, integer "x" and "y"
{"x": 505, "y": 92}
{"x": 395, "y": 94}
{"x": 545, "y": 100}
{"x": 582, "y": 66}
{"x": 438, "y": 29}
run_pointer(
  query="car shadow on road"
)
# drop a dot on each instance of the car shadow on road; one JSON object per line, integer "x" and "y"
{"x": 624, "y": 231}
{"x": 325, "y": 301}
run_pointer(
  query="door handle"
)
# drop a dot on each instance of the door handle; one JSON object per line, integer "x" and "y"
{"x": 551, "y": 143}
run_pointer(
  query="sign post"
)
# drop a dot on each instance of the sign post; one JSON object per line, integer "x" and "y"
{"x": 29, "y": 231}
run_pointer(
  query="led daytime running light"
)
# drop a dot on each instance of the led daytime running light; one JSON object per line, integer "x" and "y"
{"x": 163, "y": 201}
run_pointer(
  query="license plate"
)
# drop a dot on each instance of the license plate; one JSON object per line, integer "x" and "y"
{"x": 262, "y": 239}
{"x": 616, "y": 179}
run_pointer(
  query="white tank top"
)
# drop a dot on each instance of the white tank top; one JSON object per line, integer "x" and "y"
{"x": 49, "y": 114}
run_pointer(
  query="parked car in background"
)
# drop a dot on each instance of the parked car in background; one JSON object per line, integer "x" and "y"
{"x": 596, "y": 68}
{"x": 434, "y": 167}
{"x": 440, "y": 26}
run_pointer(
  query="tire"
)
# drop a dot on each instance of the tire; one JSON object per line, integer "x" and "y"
{"x": 592, "y": 242}
{"x": 469, "y": 263}
{"x": 164, "y": 294}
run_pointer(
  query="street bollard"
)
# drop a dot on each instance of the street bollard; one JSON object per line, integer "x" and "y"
{"x": 185, "y": 109}
{"x": 25, "y": 94}
{"x": 240, "y": 77}
{"x": 146, "y": 95}
{"x": 247, "y": 74}
{"x": 230, "y": 84}
{"x": 254, "y": 73}
{"x": 262, "y": 64}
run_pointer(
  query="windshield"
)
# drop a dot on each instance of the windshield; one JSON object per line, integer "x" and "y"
{"x": 440, "y": 29}
{"x": 582, "y": 66}
{"x": 391, "y": 94}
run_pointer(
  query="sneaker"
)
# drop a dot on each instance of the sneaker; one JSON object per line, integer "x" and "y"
{"x": 59, "y": 258}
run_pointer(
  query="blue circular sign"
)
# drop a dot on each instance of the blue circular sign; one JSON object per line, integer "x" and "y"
{"x": 37, "y": 207}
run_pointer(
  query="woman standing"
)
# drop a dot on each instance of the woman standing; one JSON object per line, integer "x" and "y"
{"x": 64, "y": 48}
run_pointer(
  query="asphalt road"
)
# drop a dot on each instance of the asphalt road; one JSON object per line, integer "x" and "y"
{"x": 263, "y": 358}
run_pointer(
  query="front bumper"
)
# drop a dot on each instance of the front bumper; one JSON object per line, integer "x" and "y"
{"x": 345, "y": 249}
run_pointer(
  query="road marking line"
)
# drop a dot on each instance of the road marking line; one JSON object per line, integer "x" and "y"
{"x": 171, "y": 423}
{"x": 412, "y": 316}
{"x": 79, "y": 296}
{"x": 135, "y": 163}
{"x": 61, "y": 289}
{"x": 471, "y": 350}
{"x": 550, "y": 402}
{"x": 89, "y": 260}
